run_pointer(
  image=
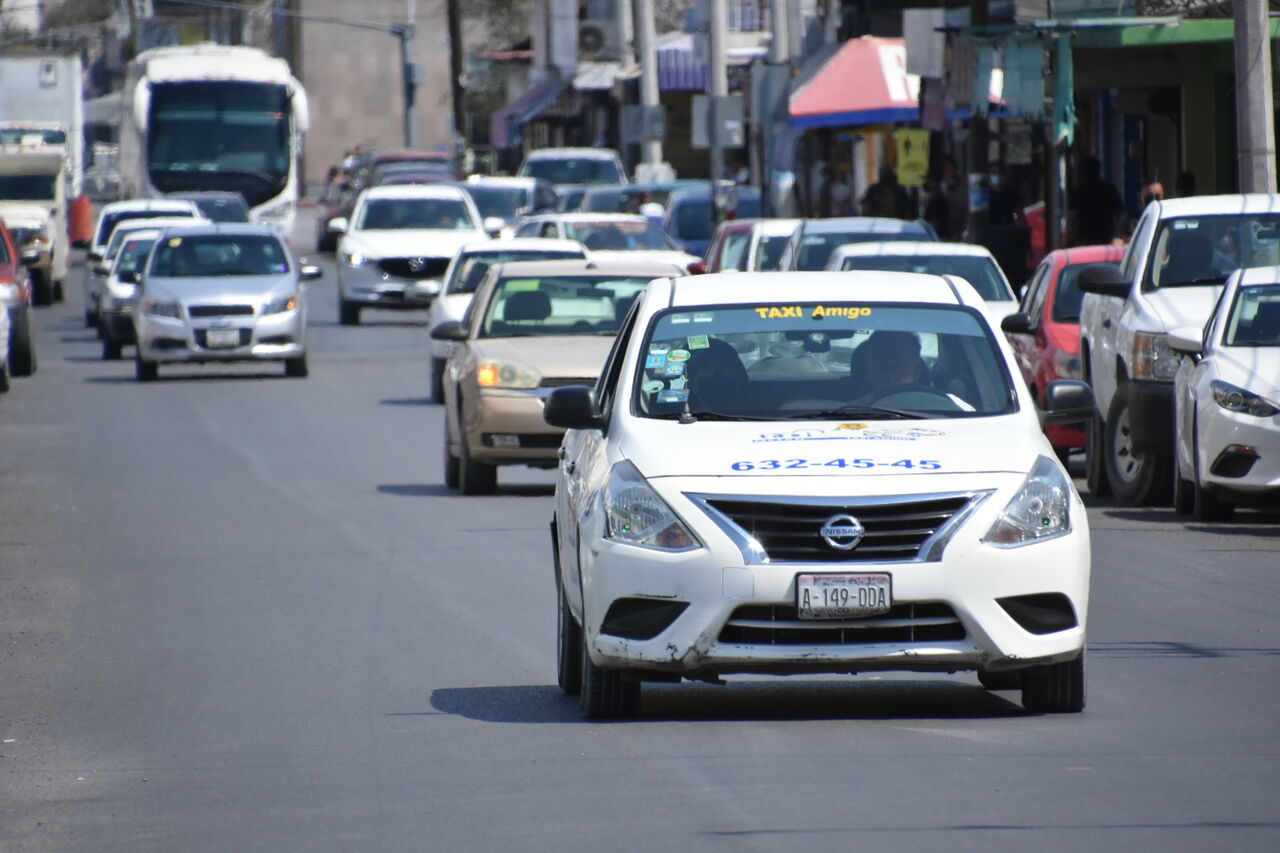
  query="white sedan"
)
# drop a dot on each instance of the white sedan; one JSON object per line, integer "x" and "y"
{"x": 815, "y": 473}
{"x": 1227, "y": 401}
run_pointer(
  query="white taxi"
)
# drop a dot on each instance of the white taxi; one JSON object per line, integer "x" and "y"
{"x": 1227, "y": 401}
{"x": 851, "y": 479}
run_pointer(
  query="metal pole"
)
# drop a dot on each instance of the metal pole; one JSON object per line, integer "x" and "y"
{"x": 650, "y": 147}
{"x": 718, "y": 88}
{"x": 1255, "y": 129}
{"x": 461, "y": 132}
{"x": 405, "y": 34}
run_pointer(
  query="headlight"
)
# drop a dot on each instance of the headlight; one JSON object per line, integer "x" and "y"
{"x": 1153, "y": 358}
{"x": 160, "y": 307}
{"x": 1235, "y": 399}
{"x": 635, "y": 515}
{"x": 1040, "y": 510}
{"x": 1066, "y": 365}
{"x": 506, "y": 374}
{"x": 280, "y": 304}
{"x": 354, "y": 259}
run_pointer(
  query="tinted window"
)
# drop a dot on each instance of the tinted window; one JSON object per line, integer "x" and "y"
{"x": 223, "y": 209}
{"x": 1066, "y": 302}
{"x": 618, "y": 235}
{"x": 133, "y": 253}
{"x": 28, "y": 187}
{"x": 1198, "y": 250}
{"x": 475, "y": 267}
{"x": 219, "y": 255}
{"x": 1255, "y": 318}
{"x": 769, "y": 252}
{"x": 378, "y": 214}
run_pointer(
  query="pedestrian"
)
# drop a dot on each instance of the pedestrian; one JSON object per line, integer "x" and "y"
{"x": 1186, "y": 184}
{"x": 1004, "y": 207}
{"x": 887, "y": 197}
{"x": 937, "y": 207}
{"x": 1094, "y": 208}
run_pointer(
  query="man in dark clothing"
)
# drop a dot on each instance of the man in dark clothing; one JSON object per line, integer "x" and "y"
{"x": 1094, "y": 207}
{"x": 887, "y": 197}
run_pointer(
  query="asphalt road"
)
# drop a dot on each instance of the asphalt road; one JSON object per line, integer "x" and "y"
{"x": 241, "y": 612}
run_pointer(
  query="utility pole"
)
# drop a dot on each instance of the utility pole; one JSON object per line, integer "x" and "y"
{"x": 718, "y": 89}
{"x": 978, "y": 132}
{"x": 461, "y": 132}
{"x": 1255, "y": 128}
{"x": 650, "y": 145}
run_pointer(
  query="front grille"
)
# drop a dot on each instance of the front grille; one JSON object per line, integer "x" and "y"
{"x": 202, "y": 335}
{"x": 220, "y": 310}
{"x": 779, "y": 625}
{"x": 896, "y": 529}
{"x": 559, "y": 382}
{"x": 414, "y": 268}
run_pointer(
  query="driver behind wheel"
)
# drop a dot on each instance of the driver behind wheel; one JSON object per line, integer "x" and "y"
{"x": 887, "y": 360}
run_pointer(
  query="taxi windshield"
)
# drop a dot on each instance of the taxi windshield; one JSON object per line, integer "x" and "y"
{"x": 560, "y": 305}
{"x": 822, "y": 360}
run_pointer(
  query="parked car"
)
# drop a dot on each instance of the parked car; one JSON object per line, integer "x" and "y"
{"x": 396, "y": 247}
{"x": 111, "y": 215}
{"x": 1181, "y": 252}
{"x": 217, "y": 206}
{"x": 688, "y": 216}
{"x": 609, "y": 235}
{"x": 366, "y": 171}
{"x": 975, "y": 264}
{"x": 712, "y": 518}
{"x": 221, "y": 293}
{"x": 15, "y": 297}
{"x": 727, "y": 248}
{"x": 119, "y": 289}
{"x": 568, "y": 166}
{"x": 813, "y": 240}
{"x": 1227, "y": 401}
{"x": 534, "y": 326}
{"x": 1045, "y": 333}
{"x": 468, "y": 270}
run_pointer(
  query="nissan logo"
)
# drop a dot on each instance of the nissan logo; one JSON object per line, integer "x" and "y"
{"x": 842, "y": 532}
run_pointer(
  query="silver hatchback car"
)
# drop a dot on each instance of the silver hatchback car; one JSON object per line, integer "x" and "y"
{"x": 217, "y": 293}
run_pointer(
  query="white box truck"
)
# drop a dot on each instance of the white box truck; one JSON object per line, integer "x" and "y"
{"x": 41, "y": 102}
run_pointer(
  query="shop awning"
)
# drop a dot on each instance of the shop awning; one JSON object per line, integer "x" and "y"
{"x": 864, "y": 81}
{"x": 504, "y": 125}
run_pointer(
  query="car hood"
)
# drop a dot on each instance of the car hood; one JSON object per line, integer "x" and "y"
{"x": 803, "y": 448}
{"x": 1183, "y": 306}
{"x": 553, "y": 356}
{"x": 221, "y": 290}
{"x": 415, "y": 243}
{"x": 680, "y": 259}
{"x": 1255, "y": 369}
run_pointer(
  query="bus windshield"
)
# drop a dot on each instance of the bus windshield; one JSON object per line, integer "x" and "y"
{"x": 220, "y": 136}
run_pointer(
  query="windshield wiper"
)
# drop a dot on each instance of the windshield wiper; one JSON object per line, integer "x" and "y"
{"x": 1208, "y": 279}
{"x": 873, "y": 412}
{"x": 706, "y": 415}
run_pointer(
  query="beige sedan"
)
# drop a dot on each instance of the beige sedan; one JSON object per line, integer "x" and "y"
{"x": 534, "y": 326}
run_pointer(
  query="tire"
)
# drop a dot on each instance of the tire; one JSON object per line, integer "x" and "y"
{"x": 147, "y": 371}
{"x": 296, "y": 367}
{"x": 1095, "y": 469}
{"x": 1137, "y": 479}
{"x": 437, "y": 380}
{"x": 22, "y": 347}
{"x": 348, "y": 313}
{"x": 1000, "y": 680}
{"x": 474, "y": 478}
{"x": 41, "y": 289}
{"x": 4, "y": 378}
{"x": 568, "y": 650}
{"x": 57, "y": 291}
{"x": 606, "y": 694}
{"x": 90, "y": 319}
{"x": 1184, "y": 496}
{"x": 112, "y": 350}
{"x": 451, "y": 478}
{"x": 1064, "y": 456}
{"x": 1055, "y": 689}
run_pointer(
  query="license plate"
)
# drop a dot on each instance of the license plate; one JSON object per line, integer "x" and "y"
{"x": 216, "y": 338}
{"x": 843, "y": 596}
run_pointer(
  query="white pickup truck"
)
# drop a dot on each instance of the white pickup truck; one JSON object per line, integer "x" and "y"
{"x": 1171, "y": 276}
{"x": 33, "y": 204}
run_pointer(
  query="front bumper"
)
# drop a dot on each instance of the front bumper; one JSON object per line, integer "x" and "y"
{"x": 266, "y": 338}
{"x": 506, "y": 427}
{"x": 738, "y": 617}
{"x": 1239, "y": 453}
{"x": 369, "y": 285}
{"x": 1151, "y": 416}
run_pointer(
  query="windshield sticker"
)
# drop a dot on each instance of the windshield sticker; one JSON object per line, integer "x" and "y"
{"x": 659, "y": 349}
{"x": 673, "y": 370}
{"x": 679, "y": 383}
{"x": 656, "y": 361}
{"x": 679, "y": 318}
{"x": 673, "y": 396}
{"x": 678, "y": 355}
{"x": 653, "y": 386}
{"x": 848, "y": 432}
{"x": 175, "y": 242}
{"x": 703, "y": 318}
{"x": 810, "y": 464}
{"x": 698, "y": 342}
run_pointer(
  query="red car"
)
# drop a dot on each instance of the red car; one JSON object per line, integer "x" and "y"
{"x": 1048, "y": 345}
{"x": 727, "y": 249}
{"x": 15, "y": 297}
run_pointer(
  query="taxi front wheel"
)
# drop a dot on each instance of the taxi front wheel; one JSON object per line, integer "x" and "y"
{"x": 568, "y": 650}
{"x": 1055, "y": 689}
{"x": 606, "y": 693}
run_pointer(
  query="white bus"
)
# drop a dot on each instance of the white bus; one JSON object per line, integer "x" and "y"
{"x": 214, "y": 117}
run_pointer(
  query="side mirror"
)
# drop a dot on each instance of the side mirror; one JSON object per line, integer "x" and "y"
{"x": 1068, "y": 401}
{"x": 307, "y": 272}
{"x": 697, "y": 267}
{"x": 493, "y": 225}
{"x": 1017, "y": 324}
{"x": 101, "y": 269}
{"x": 339, "y": 225}
{"x": 1187, "y": 339}
{"x": 1104, "y": 280}
{"x": 449, "y": 330}
{"x": 573, "y": 407}
{"x": 29, "y": 257}
{"x": 94, "y": 257}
